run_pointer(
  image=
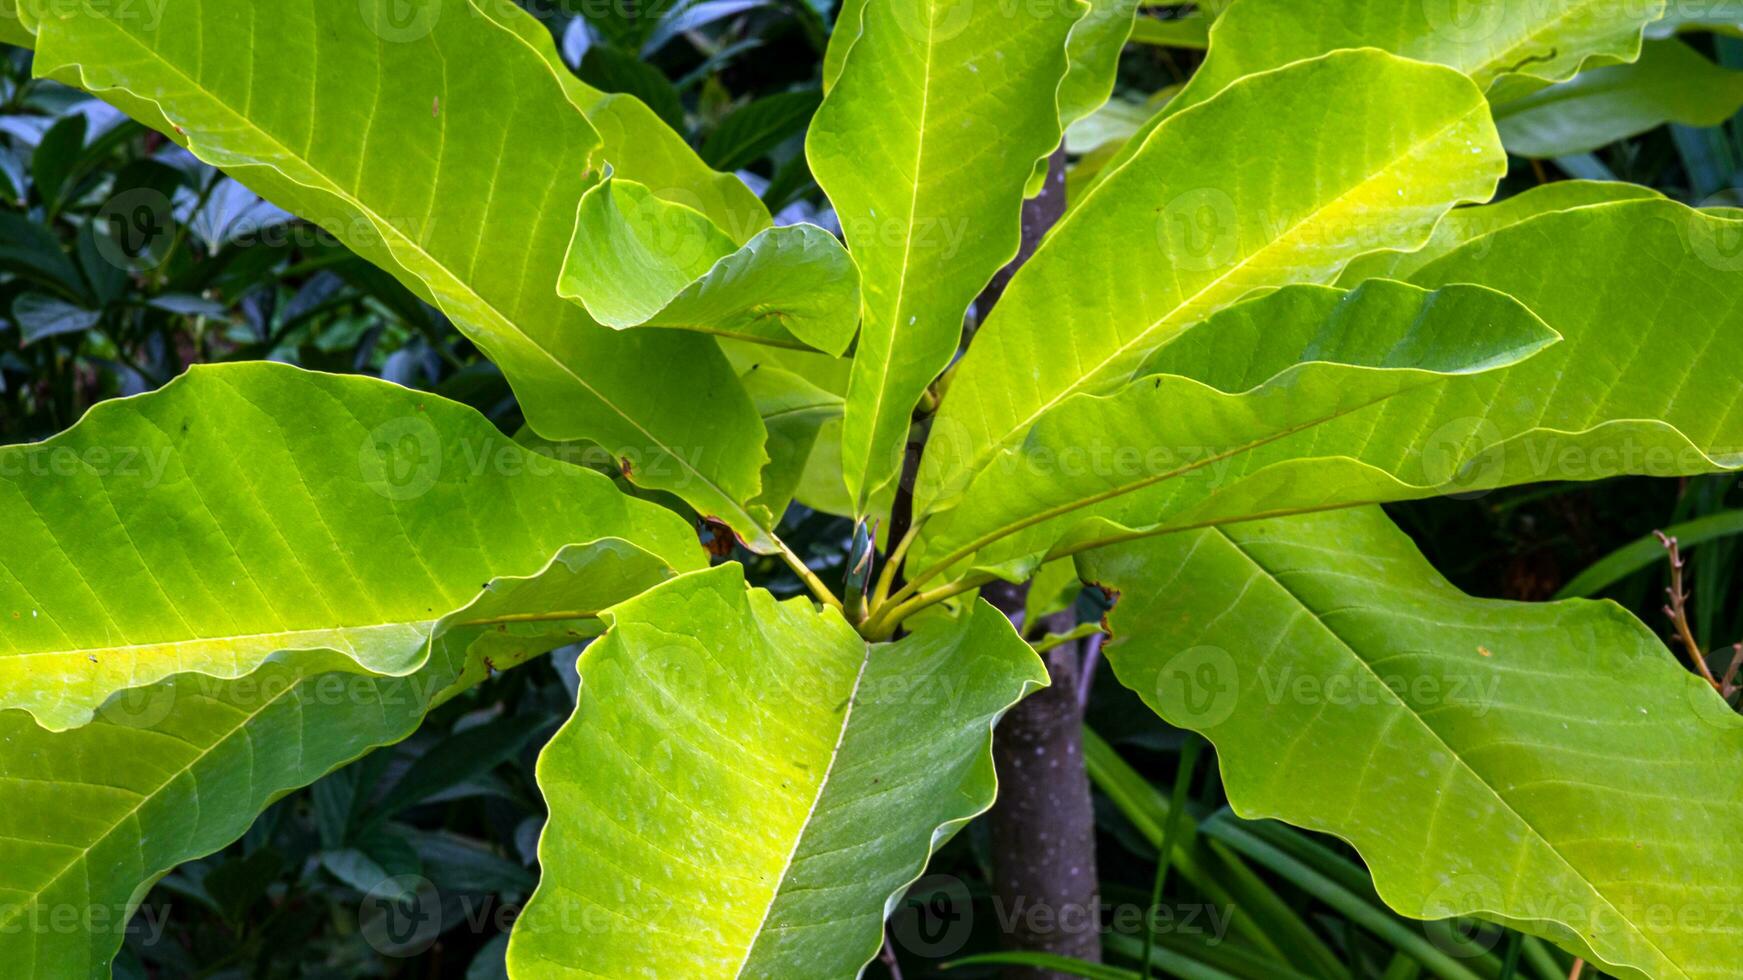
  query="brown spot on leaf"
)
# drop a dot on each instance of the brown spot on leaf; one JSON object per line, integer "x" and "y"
{"x": 718, "y": 537}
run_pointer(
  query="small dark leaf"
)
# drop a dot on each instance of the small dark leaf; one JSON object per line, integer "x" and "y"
{"x": 55, "y": 156}
{"x": 753, "y": 130}
{"x": 459, "y": 864}
{"x": 237, "y": 884}
{"x": 461, "y": 756}
{"x": 186, "y": 305}
{"x": 32, "y": 252}
{"x": 39, "y": 316}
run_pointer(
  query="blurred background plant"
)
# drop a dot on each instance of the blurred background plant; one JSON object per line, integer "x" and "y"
{"x": 123, "y": 260}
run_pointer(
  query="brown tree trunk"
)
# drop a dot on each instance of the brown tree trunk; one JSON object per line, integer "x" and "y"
{"x": 1043, "y": 829}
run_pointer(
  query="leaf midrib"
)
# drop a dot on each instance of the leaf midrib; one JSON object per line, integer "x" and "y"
{"x": 739, "y": 512}
{"x": 868, "y": 450}
{"x": 1422, "y": 722}
{"x": 84, "y": 853}
{"x": 780, "y": 879}
{"x": 1059, "y": 510}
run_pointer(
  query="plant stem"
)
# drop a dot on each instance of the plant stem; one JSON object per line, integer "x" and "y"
{"x": 889, "y": 615}
{"x": 809, "y": 577}
{"x": 1043, "y": 825}
{"x": 887, "y": 577}
{"x": 1679, "y": 614}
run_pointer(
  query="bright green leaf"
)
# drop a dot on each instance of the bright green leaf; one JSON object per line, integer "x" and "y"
{"x": 1462, "y": 225}
{"x": 1304, "y": 373}
{"x": 924, "y": 145}
{"x": 1485, "y": 39}
{"x": 1093, "y": 56}
{"x": 1350, "y": 689}
{"x": 1327, "y": 160}
{"x": 741, "y": 791}
{"x": 253, "y": 512}
{"x": 1637, "y": 289}
{"x": 170, "y": 772}
{"x": 638, "y": 260}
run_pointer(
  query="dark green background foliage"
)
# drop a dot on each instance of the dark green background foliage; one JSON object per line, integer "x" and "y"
{"x": 413, "y": 862}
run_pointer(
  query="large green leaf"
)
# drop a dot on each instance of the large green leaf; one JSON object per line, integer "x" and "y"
{"x": 1637, "y": 289}
{"x": 240, "y": 582}
{"x": 257, "y": 511}
{"x": 1283, "y": 178}
{"x": 924, "y": 144}
{"x": 1486, "y": 39}
{"x": 1670, "y": 82}
{"x": 1462, "y": 225}
{"x": 638, "y": 260}
{"x": 747, "y": 787}
{"x": 1306, "y": 372}
{"x": 416, "y": 176}
{"x": 92, "y": 817}
{"x": 1549, "y": 766}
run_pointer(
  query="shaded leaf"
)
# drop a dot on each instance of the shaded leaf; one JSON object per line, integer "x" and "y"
{"x": 39, "y": 316}
{"x": 1669, "y": 83}
{"x": 616, "y": 71}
